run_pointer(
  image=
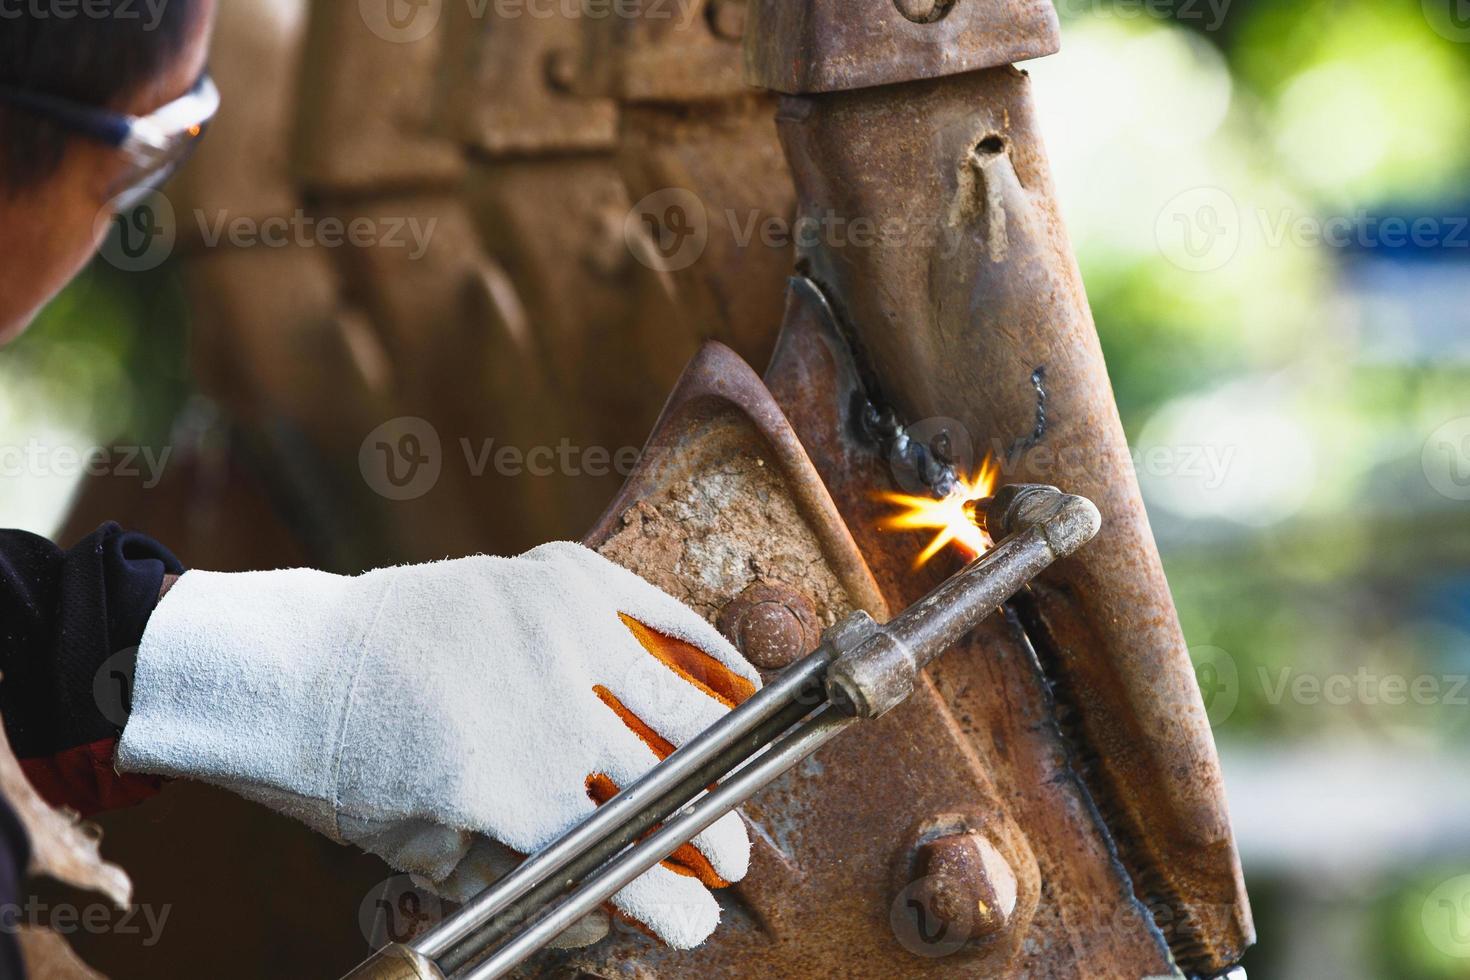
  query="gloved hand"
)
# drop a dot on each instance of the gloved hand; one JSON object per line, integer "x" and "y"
{"x": 418, "y": 711}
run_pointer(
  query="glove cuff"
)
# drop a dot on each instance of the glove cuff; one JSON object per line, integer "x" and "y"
{"x": 245, "y": 681}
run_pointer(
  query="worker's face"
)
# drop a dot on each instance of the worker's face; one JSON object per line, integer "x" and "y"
{"x": 49, "y": 232}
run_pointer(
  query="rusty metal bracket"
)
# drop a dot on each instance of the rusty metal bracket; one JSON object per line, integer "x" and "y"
{"x": 836, "y": 45}
{"x": 970, "y": 308}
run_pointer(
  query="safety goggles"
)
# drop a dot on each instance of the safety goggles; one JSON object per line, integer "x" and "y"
{"x": 154, "y": 145}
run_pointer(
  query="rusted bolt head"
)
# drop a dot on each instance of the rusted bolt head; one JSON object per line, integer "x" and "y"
{"x": 772, "y": 625}
{"x": 727, "y": 19}
{"x": 561, "y": 69}
{"x": 965, "y": 884}
{"x": 923, "y": 11}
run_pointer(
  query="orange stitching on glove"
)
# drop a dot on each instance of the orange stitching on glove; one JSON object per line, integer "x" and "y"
{"x": 692, "y": 664}
{"x": 661, "y": 747}
{"x": 686, "y": 861}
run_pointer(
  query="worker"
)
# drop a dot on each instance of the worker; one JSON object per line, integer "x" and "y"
{"x": 446, "y": 717}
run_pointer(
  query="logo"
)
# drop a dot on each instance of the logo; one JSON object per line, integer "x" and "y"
{"x": 398, "y": 911}
{"x": 667, "y": 230}
{"x": 112, "y": 686}
{"x": 1199, "y": 230}
{"x": 1219, "y": 682}
{"x": 926, "y": 447}
{"x": 401, "y": 21}
{"x": 1446, "y": 917}
{"x": 1450, "y": 19}
{"x": 918, "y": 927}
{"x": 140, "y": 238}
{"x": 401, "y": 459}
{"x": 1446, "y": 459}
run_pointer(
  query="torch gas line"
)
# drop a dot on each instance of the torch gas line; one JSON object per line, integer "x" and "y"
{"x": 638, "y": 807}
{"x": 861, "y": 670}
{"x": 776, "y": 760}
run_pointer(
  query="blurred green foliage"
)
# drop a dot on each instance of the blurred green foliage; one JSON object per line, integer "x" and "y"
{"x": 106, "y": 358}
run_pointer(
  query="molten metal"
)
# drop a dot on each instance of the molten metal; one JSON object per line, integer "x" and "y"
{"x": 954, "y": 519}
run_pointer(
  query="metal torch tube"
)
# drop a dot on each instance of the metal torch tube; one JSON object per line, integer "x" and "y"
{"x": 542, "y": 894}
{"x": 776, "y": 760}
{"x": 623, "y": 818}
{"x": 1041, "y": 524}
{"x": 866, "y": 670}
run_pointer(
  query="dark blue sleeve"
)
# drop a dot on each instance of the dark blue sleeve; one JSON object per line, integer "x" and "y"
{"x": 62, "y": 613}
{"x": 15, "y": 857}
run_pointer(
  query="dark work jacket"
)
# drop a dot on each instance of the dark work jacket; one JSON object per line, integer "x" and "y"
{"x": 70, "y": 623}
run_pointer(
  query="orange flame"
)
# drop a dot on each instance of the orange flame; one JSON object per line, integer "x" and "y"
{"x": 947, "y": 517}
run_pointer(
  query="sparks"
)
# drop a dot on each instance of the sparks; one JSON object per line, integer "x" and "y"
{"x": 949, "y": 518}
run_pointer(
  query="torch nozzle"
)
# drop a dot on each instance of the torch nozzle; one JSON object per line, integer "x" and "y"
{"x": 977, "y": 510}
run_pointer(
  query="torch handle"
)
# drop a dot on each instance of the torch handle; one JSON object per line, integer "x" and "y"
{"x": 396, "y": 963}
{"x": 860, "y": 671}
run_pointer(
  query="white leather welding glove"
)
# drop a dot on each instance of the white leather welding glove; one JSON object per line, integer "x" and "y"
{"x": 416, "y": 711}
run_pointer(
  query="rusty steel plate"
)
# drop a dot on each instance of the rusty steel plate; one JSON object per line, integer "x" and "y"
{"x": 836, "y": 45}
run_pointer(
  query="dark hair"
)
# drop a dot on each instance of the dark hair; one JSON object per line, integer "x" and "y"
{"x": 96, "y": 52}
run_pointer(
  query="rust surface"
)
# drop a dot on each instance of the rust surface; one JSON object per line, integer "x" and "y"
{"x": 665, "y": 52}
{"x": 705, "y": 177}
{"x": 835, "y": 45}
{"x": 991, "y": 686}
{"x": 820, "y": 897}
{"x": 972, "y": 311}
{"x": 508, "y": 83}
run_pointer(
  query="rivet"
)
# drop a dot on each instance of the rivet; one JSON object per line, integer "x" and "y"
{"x": 966, "y": 885}
{"x": 727, "y": 19}
{"x": 772, "y": 625}
{"x": 561, "y": 69}
{"x": 923, "y": 11}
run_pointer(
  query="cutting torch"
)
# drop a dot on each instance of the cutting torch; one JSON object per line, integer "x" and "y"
{"x": 859, "y": 672}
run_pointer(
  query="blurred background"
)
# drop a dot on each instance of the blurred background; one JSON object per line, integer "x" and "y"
{"x": 1271, "y": 204}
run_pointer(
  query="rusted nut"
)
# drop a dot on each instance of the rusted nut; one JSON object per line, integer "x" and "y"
{"x": 727, "y": 19}
{"x": 923, "y": 11}
{"x": 967, "y": 886}
{"x": 561, "y": 69}
{"x": 772, "y": 625}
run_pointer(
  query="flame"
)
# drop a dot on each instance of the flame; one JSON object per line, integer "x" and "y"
{"x": 948, "y": 517}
